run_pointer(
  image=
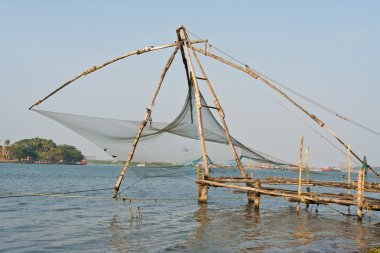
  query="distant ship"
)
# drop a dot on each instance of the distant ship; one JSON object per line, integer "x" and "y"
{"x": 327, "y": 169}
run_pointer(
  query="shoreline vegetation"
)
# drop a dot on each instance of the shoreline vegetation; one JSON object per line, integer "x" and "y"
{"x": 40, "y": 151}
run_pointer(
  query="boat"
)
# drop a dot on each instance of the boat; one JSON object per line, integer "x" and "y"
{"x": 329, "y": 169}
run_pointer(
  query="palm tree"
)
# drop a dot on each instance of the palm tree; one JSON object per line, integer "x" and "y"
{"x": 7, "y": 142}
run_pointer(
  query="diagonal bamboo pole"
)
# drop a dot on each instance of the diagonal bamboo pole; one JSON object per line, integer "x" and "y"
{"x": 95, "y": 68}
{"x": 221, "y": 114}
{"x": 143, "y": 123}
{"x": 312, "y": 116}
{"x": 197, "y": 98}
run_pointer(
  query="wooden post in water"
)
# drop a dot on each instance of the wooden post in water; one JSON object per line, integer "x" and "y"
{"x": 202, "y": 189}
{"x": 360, "y": 193}
{"x": 307, "y": 172}
{"x": 257, "y": 195}
{"x": 349, "y": 172}
{"x": 349, "y": 167}
{"x": 251, "y": 194}
{"x": 300, "y": 174}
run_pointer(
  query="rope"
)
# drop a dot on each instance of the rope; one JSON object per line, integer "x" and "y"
{"x": 171, "y": 173}
{"x": 325, "y": 108}
{"x": 307, "y": 124}
{"x": 52, "y": 194}
{"x": 341, "y": 213}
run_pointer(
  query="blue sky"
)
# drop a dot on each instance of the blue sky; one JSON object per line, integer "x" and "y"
{"x": 327, "y": 50}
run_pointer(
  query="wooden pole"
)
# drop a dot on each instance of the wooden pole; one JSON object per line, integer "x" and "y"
{"x": 257, "y": 195}
{"x": 360, "y": 192}
{"x": 95, "y": 68}
{"x": 307, "y": 172}
{"x": 143, "y": 123}
{"x": 184, "y": 36}
{"x": 349, "y": 166}
{"x": 221, "y": 114}
{"x": 202, "y": 188}
{"x": 300, "y": 174}
{"x": 252, "y": 73}
{"x": 349, "y": 172}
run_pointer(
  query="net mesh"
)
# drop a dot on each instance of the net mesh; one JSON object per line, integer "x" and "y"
{"x": 175, "y": 142}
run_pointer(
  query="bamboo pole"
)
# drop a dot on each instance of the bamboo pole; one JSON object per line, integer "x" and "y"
{"x": 143, "y": 123}
{"x": 349, "y": 172}
{"x": 368, "y": 186}
{"x": 300, "y": 173}
{"x": 95, "y": 68}
{"x": 307, "y": 172}
{"x": 307, "y": 165}
{"x": 197, "y": 98}
{"x": 252, "y": 73}
{"x": 221, "y": 114}
{"x": 349, "y": 166}
{"x": 257, "y": 195}
{"x": 202, "y": 188}
{"x": 360, "y": 192}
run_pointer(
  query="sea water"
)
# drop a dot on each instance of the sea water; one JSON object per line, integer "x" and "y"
{"x": 80, "y": 214}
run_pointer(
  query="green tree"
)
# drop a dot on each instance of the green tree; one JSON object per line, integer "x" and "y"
{"x": 23, "y": 152}
{"x": 44, "y": 150}
{"x": 64, "y": 154}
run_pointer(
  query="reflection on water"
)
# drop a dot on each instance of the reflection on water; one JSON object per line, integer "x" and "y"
{"x": 173, "y": 223}
{"x": 246, "y": 229}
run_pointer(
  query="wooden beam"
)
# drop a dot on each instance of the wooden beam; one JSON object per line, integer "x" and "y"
{"x": 221, "y": 114}
{"x": 184, "y": 37}
{"x": 95, "y": 68}
{"x": 143, "y": 123}
{"x": 300, "y": 173}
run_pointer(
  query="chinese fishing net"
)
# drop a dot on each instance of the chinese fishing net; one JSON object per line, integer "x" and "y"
{"x": 175, "y": 142}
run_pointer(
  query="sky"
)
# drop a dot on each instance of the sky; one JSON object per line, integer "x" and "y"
{"x": 326, "y": 50}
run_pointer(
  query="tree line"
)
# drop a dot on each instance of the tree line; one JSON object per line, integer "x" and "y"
{"x": 40, "y": 150}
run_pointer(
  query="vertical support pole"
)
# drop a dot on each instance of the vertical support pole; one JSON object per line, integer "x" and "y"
{"x": 221, "y": 114}
{"x": 349, "y": 172}
{"x": 307, "y": 172}
{"x": 360, "y": 193}
{"x": 202, "y": 189}
{"x": 257, "y": 195}
{"x": 349, "y": 167}
{"x": 251, "y": 194}
{"x": 143, "y": 124}
{"x": 300, "y": 174}
{"x": 197, "y": 98}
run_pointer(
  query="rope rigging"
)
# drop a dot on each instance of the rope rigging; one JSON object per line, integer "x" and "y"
{"x": 323, "y": 107}
{"x": 257, "y": 76}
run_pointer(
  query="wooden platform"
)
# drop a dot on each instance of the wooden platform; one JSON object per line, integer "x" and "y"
{"x": 304, "y": 197}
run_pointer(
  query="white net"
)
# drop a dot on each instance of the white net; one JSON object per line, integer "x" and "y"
{"x": 174, "y": 142}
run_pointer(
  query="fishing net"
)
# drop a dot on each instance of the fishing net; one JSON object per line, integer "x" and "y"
{"x": 174, "y": 142}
